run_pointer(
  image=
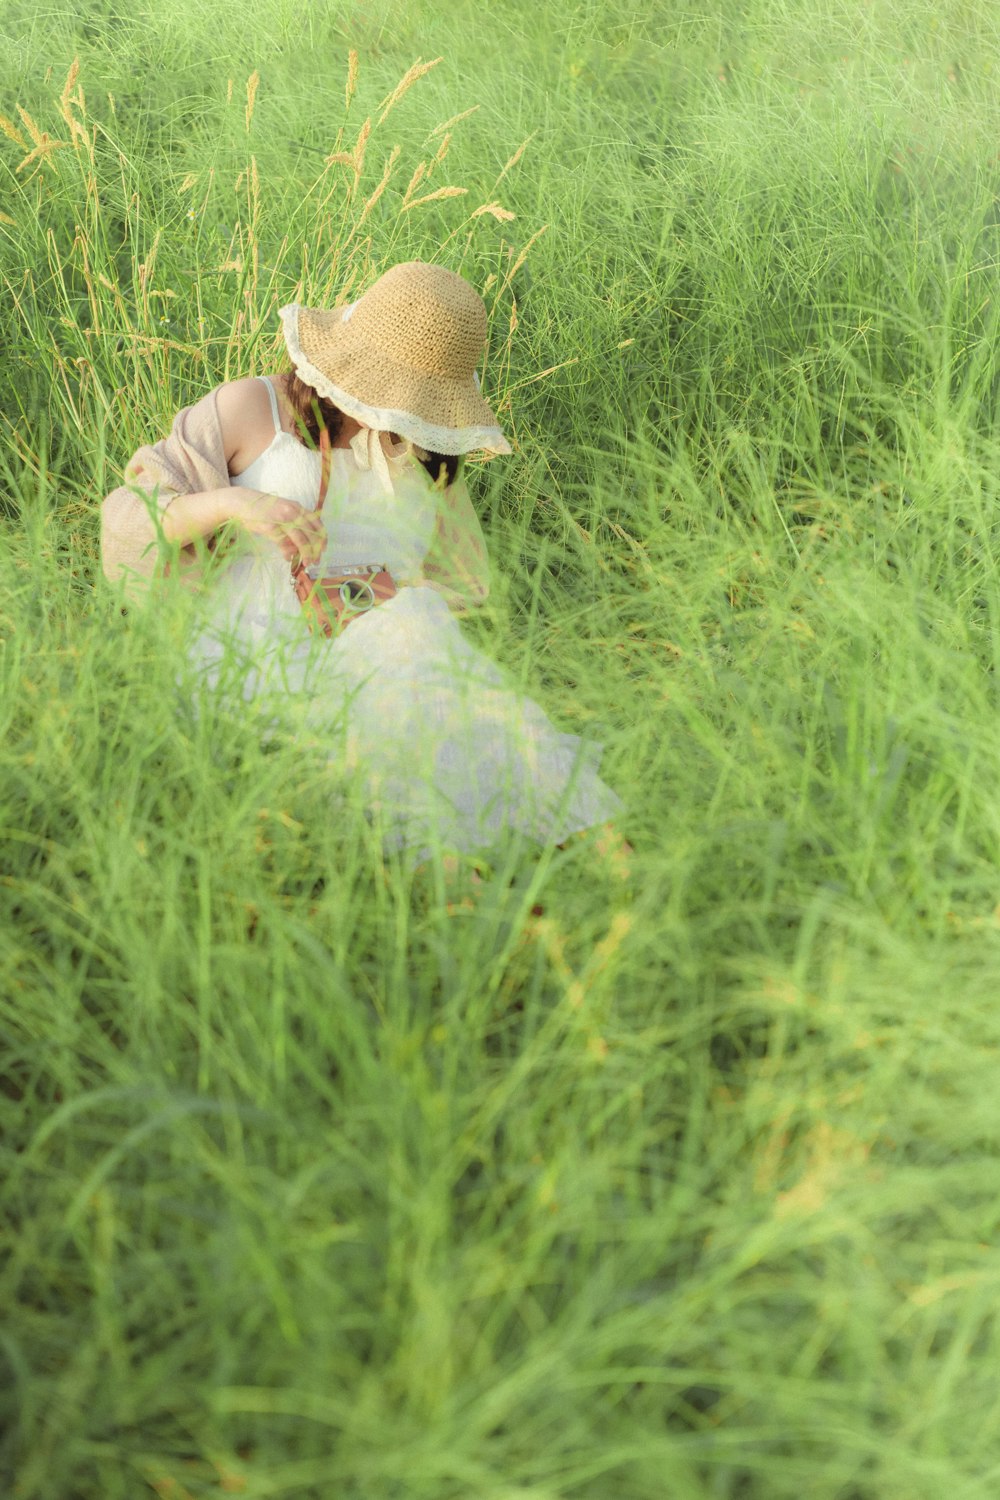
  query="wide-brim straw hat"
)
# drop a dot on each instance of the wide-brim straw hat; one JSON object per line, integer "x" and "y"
{"x": 402, "y": 358}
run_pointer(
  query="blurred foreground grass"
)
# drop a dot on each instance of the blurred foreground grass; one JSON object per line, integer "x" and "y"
{"x": 313, "y": 1189}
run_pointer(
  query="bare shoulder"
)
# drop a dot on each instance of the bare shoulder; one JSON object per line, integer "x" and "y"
{"x": 245, "y": 420}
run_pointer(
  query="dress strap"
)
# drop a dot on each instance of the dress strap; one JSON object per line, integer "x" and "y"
{"x": 274, "y": 403}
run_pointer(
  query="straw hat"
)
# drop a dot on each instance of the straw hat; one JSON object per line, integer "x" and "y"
{"x": 402, "y": 358}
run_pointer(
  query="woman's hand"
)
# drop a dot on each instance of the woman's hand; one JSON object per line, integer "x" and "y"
{"x": 298, "y": 533}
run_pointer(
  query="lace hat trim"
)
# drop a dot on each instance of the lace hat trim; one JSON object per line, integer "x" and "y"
{"x": 421, "y": 329}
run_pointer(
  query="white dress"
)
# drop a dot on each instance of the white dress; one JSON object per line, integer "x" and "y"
{"x": 451, "y": 755}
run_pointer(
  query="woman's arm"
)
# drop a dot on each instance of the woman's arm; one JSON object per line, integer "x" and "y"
{"x": 244, "y": 414}
{"x": 179, "y": 490}
{"x": 296, "y": 531}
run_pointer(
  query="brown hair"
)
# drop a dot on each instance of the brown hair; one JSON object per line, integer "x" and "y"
{"x": 310, "y": 409}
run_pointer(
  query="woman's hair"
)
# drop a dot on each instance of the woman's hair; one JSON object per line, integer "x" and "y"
{"x": 310, "y": 409}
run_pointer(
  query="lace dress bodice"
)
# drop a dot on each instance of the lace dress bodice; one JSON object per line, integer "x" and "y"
{"x": 364, "y": 522}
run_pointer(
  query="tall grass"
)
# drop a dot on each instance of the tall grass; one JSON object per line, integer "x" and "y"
{"x": 314, "y": 1184}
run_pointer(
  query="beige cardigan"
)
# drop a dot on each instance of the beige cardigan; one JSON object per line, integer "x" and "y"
{"x": 192, "y": 459}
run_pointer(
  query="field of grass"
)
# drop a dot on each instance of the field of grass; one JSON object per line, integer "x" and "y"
{"x": 685, "y": 1189}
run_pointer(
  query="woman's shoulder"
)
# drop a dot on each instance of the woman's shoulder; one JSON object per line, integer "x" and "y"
{"x": 239, "y": 401}
{"x": 245, "y": 418}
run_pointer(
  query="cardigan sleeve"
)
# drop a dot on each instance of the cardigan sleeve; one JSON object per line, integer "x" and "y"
{"x": 190, "y": 459}
{"x": 456, "y": 560}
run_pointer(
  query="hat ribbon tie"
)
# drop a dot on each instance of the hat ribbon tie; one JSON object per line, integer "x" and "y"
{"x": 372, "y": 450}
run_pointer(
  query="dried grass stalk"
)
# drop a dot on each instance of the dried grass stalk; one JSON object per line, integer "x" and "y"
{"x": 496, "y": 209}
{"x": 441, "y": 192}
{"x": 414, "y": 182}
{"x": 253, "y": 83}
{"x": 12, "y": 133}
{"x": 524, "y": 255}
{"x": 517, "y": 156}
{"x": 448, "y": 124}
{"x": 38, "y": 136}
{"x": 407, "y": 81}
{"x": 383, "y": 184}
{"x": 360, "y": 146}
{"x": 41, "y": 152}
{"x": 352, "y": 78}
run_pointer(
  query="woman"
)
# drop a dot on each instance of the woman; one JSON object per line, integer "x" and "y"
{"x": 451, "y": 756}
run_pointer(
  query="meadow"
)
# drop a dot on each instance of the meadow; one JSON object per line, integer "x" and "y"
{"x": 317, "y": 1185}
